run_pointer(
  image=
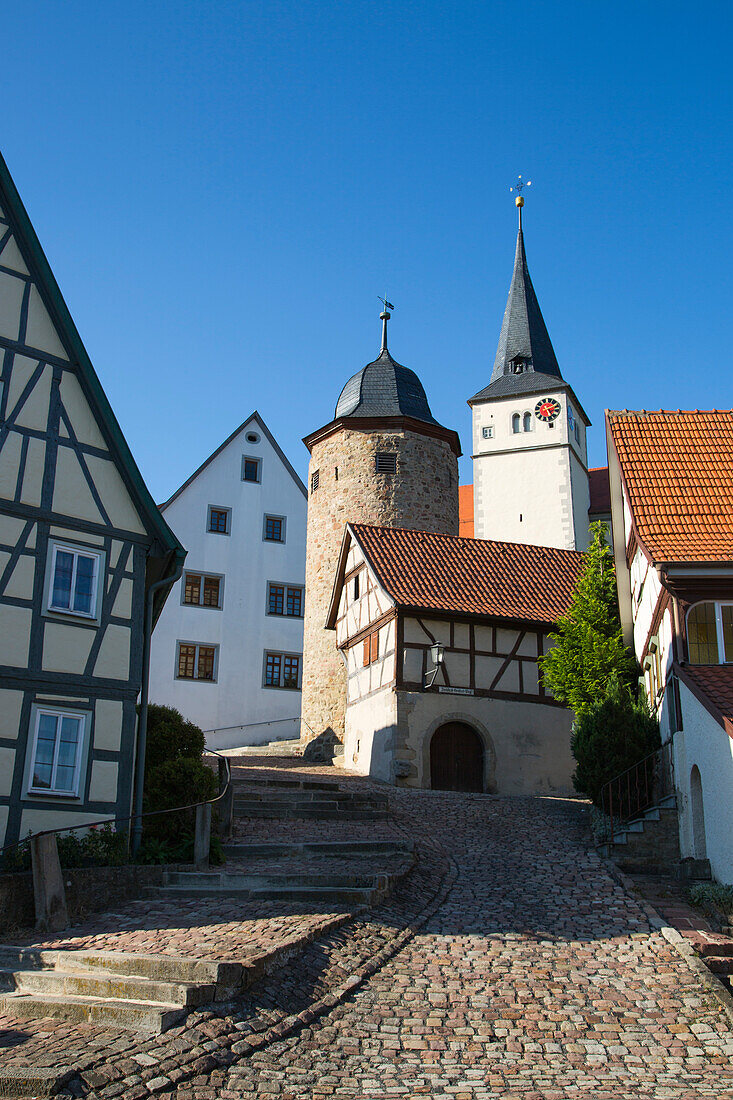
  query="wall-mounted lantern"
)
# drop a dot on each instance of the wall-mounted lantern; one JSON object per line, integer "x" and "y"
{"x": 437, "y": 656}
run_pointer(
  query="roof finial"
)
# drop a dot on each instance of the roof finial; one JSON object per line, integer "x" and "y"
{"x": 519, "y": 201}
{"x": 384, "y": 316}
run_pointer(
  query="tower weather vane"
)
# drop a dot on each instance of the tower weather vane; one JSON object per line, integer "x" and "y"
{"x": 519, "y": 186}
{"x": 384, "y": 316}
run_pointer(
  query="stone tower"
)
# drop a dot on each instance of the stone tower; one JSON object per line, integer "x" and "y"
{"x": 530, "y": 464}
{"x": 383, "y": 459}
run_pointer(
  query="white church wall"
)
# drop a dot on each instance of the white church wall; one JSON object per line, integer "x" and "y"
{"x": 237, "y": 709}
{"x": 704, "y": 743}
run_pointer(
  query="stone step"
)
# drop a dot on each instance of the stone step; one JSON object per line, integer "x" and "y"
{"x": 330, "y": 895}
{"x": 224, "y": 881}
{"x": 290, "y": 784}
{"x": 315, "y": 798}
{"x": 719, "y": 948}
{"x": 326, "y": 848}
{"x": 324, "y": 811}
{"x": 28, "y": 1083}
{"x": 164, "y": 968}
{"x": 719, "y": 964}
{"x": 141, "y": 1016}
{"x": 107, "y": 986}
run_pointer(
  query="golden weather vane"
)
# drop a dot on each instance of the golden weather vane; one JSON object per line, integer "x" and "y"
{"x": 519, "y": 186}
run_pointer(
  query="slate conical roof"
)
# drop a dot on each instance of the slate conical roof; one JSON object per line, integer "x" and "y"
{"x": 524, "y": 341}
{"x": 384, "y": 388}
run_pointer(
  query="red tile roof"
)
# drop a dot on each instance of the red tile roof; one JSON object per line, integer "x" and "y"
{"x": 600, "y": 491}
{"x": 715, "y": 682}
{"x": 678, "y": 470}
{"x": 471, "y": 576}
{"x": 465, "y": 511}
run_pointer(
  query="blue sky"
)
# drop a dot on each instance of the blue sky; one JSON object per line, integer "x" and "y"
{"x": 223, "y": 189}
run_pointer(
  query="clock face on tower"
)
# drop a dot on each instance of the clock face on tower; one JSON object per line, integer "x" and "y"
{"x": 548, "y": 409}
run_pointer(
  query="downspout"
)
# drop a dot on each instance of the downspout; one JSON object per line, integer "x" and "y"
{"x": 142, "y": 730}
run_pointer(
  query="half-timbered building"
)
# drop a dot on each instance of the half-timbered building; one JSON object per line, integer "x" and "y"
{"x": 81, "y": 542}
{"x": 441, "y": 637}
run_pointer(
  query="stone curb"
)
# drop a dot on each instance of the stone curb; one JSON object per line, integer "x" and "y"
{"x": 677, "y": 940}
{"x": 366, "y": 970}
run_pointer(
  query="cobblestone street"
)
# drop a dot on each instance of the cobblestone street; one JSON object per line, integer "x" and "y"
{"x": 509, "y": 963}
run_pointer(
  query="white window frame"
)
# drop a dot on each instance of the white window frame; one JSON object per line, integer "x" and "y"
{"x": 487, "y": 432}
{"x": 57, "y": 713}
{"x": 718, "y": 605}
{"x": 77, "y": 551}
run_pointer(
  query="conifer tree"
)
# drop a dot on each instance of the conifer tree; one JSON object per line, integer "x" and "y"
{"x": 589, "y": 647}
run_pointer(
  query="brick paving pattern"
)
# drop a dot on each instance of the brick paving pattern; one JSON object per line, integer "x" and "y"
{"x": 537, "y": 977}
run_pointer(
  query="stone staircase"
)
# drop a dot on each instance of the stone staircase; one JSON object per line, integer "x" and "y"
{"x": 650, "y": 843}
{"x": 136, "y": 992}
{"x": 313, "y": 799}
{"x": 717, "y": 955}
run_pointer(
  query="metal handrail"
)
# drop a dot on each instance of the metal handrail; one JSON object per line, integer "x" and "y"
{"x": 639, "y": 787}
{"x": 132, "y": 816}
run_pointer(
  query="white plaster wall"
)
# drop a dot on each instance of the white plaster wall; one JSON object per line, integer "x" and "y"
{"x": 529, "y": 475}
{"x": 705, "y": 743}
{"x": 531, "y": 741}
{"x": 371, "y": 733}
{"x": 242, "y": 630}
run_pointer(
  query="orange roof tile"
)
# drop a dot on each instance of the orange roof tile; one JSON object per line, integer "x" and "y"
{"x": 678, "y": 470}
{"x": 446, "y": 573}
{"x": 465, "y": 511}
{"x": 715, "y": 682}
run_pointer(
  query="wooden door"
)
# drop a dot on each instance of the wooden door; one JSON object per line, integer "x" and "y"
{"x": 456, "y": 759}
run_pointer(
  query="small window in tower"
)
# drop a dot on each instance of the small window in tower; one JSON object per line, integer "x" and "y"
{"x": 488, "y": 433}
{"x": 516, "y": 423}
{"x": 336, "y": 473}
{"x": 315, "y": 479}
{"x": 527, "y": 422}
{"x": 577, "y": 431}
{"x": 386, "y": 463}
{"x": 356, "y": 587}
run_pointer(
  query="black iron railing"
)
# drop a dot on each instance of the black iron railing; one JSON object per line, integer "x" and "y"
{"x": 627, "y": 796}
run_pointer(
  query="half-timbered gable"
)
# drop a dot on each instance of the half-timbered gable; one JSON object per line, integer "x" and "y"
{"x": 437, "y": 629}
{"x": 80, "y": 538}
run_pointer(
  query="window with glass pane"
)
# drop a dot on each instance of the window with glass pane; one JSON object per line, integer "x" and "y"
{"x": 273, "y": 529}
{"x": 211, "y": 591}
{"x": 219, "y": 520}
{"x": 251, "y": 469}
{"x": 295, "y": 601}
{"x": 702, "y": 635}
{"x": 206, "y": 662}
{"x": 291, "y": 667}
{"x": 272, "y": 670}
{"x": 74, "y": 582}
{"x": 192, "y": 589}
{"x": 56, "y": 756}
{"x": 187, "y": 662}
{"x": 277, "y": 596}
{"x": 726, "y": 615}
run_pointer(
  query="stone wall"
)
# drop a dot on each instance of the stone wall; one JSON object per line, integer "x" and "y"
{"x": 88, "y": 890}
{"x": 422, "y": 495}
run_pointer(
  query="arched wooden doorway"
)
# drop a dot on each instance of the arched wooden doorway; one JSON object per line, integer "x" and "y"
{"x": 456, "y": 759}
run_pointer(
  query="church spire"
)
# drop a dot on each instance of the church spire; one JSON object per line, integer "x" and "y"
{"x": 524, "y": 342}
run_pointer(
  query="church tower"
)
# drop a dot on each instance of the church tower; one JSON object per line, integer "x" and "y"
{"x": 530, "y": 465}
{"x": 383, "y": 459}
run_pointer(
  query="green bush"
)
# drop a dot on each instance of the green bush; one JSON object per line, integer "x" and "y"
{"x": 175, "y": 775}
{"x": 611, "y": 735}
{"x": 709, "y": 894}
{"x": 101, "y": 846}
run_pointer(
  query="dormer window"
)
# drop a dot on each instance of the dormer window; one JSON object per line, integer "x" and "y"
{"x": 519, "y": 364}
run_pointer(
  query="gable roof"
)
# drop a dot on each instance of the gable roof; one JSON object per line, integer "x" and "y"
{"x": 166, "y": 544}
{"x": 254, "y": 418}
{"x": 424, "y": 571}
{"x": 677, "y": 468}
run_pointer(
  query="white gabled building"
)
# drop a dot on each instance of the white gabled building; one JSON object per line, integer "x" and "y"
{"x": 671, "y": 478}
{"x": 228, "y": 649}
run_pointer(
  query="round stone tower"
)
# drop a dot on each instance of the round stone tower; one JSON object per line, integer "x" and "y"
{"x": 383, "y": 459}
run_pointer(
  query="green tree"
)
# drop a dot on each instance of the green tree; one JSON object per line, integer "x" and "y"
{"x": 589, "y": 648}
{"x": 610, "y": 736}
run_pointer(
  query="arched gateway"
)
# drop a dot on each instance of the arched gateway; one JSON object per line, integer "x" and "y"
{"x": 456, "y": 758}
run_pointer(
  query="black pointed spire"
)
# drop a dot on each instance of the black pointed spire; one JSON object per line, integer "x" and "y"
{"x": 525, "y": 348}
